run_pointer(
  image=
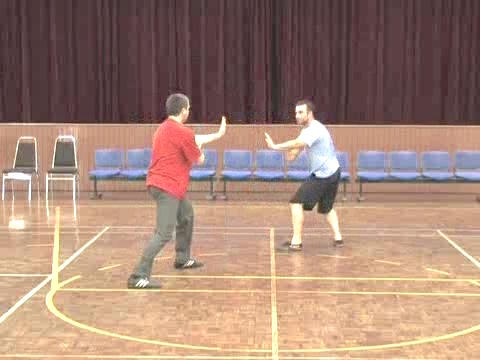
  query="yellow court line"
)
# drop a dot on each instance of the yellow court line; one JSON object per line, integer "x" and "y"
{"x": 257, "y": 291}
{"x": 477, "y": 283}
{"x": 334, "y": 256}
{"x": 53, "y": 309}
{"x": 307, "y": 278}
{"x": 220, "y": 291}
{"x": 68, "y": 281}
{"x": 51, "y": 306}
{"x": 109, "y": 267}
{"x": 437, "y": 271}
{"x": 60, "y": 315}
{"x": 388, "y": 262}
{"x": 32, "y": 292}
{"x": 273, "y": 296}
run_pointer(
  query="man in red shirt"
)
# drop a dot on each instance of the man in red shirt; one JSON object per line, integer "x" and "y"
{"x": 175, "y": 150}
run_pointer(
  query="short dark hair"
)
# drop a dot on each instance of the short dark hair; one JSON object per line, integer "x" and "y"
{"x": 175, "y": 103}
{"x": 310, "y": 105}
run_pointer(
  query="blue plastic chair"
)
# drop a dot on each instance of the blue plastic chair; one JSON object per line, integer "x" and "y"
{"x": 404, "y": 165}
{"x": 298, "y": 169}
{"x": 467, "y": 165}
{"x": 237, "y": 166}
{"x": 436, "y": 165}
{"x": 269, "y": 165}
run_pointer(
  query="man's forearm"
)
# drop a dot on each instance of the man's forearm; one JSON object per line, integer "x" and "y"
{"x": 207, "y": 138}
{"x": 291, "y": 144}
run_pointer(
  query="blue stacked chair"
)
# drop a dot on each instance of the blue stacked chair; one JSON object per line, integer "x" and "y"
{"x": 467, "y": 165}
{"x": 136, "y": 167}
{"x": 108, "y": 163}
{"x": 436, "y": 166}
{"x": 371, "y": 167}
{"x": 206, "y": 171}
{"x": 298, "y": 169}
{"x": 269, "y": 165}
{"x": 237, "y": 166}
{"x": 404, "y": 166}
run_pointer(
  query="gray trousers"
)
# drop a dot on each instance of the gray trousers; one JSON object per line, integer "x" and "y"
{"x": 171, "y": 214}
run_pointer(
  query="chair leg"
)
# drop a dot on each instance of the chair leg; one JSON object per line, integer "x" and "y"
{"x": 211, "y": 195}
{"x": 344, "y": 191}
{"x": 95, "y": 194}
{"x": 3, "y": 188}
{"x": 224, "y": 194}
{"x": 30, "y": 189}
{"x": 360, "y": 193}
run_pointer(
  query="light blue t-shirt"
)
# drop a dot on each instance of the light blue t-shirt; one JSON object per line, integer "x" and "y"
{"x": 320, "y": 149}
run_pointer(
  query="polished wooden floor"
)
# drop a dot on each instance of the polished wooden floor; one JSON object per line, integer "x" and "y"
{"x": 405, "y": 286}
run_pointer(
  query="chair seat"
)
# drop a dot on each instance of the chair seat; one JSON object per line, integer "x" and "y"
{"x": 132, "y": 173}
{"x": 25, "y": 170}
{"x": 104, "y": 173}
{"x": 269, "y": 175}
{"x": 438, "y": 175}
{"x": 371, "y": 175}
{"x": 404, "y": 175}
{"x": 468, "y": 175}
{"x": 67, "y": 170}
{"x": 298, "y": 174}
{"x": 17, "y": 176}
{"x": 198, "y": 174}
{"x": 236, "y": 174}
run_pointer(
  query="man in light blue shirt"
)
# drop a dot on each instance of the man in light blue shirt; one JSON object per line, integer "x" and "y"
{"x": 321, "y": 187}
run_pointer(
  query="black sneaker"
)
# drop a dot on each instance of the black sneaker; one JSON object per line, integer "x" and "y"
{"x": 288, "y": 247}
{"x": 142, "y": 283}
{"x": 189, "y": 264}
{"x": 338, "y": 243}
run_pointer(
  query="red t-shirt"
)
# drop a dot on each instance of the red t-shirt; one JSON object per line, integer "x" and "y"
{"x": 173, "y": 154}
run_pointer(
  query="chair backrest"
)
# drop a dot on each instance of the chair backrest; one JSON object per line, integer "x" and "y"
{"x": 371, "y": 160}
{"x": 269, "y": 160}
{"x": 467, "y": 160}
{"x": 403, "y": 160}
{"x": 301, "y": 163}
{"x": 26, "y": 155}
{"x": 237, "y": 159}
{"x": 436, "y": 160}
{"x": 65, "y": 152}
{"x": 211, "y": 160}
{"x": 135, "y": 159}
{"x": 108, "y": 158}
{"x": 343, "y": 160}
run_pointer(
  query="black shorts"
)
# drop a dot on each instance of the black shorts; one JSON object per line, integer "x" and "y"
{"x": 318, "y": 190}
